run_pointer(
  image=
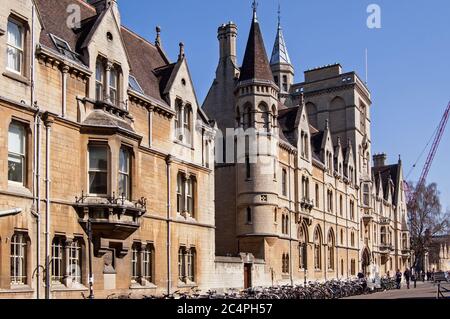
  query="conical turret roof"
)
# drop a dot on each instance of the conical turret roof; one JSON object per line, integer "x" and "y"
{"x": 256, "y": 64}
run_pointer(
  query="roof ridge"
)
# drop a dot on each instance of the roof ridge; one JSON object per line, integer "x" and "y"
{"x": 138, "y": 36}
{"x": 87, "y": 5}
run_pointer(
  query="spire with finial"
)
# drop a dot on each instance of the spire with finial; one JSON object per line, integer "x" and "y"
{"x": 158, "y": 36}
{"x": 255, "y": 65}
{"x": 327, "y": 124}
{"x": 280, "y": 53}
{"x": 279, "y": 15}
{"x": 255, "y": 8}
{"x": 181, "y": 55}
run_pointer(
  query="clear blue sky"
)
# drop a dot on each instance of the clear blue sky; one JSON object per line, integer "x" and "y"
{"x": 409, "y": 65}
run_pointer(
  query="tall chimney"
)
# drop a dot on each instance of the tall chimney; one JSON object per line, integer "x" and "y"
{"x": 379, "y": 160}
{"x": 227, "y": 34}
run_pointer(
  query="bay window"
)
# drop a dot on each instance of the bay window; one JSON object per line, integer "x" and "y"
{"x": 16, "y": 153}
{"x": 124, "y": 173}
{"x": 15, "y": 47}
{"x": 98, "y": 170}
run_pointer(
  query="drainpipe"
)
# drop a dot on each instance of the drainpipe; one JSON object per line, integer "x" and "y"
{"x": 33, "y": 48}
{"x": 169, "y": 163}
{"x": 48, "y": 125}
{"x": 290, "y": 225}
{"x": 37, "y": 196}
{"x": 64, "y": 72}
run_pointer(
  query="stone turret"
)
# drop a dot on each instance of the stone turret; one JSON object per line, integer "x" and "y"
{"x": 257, "y": 109}
{"x": 280, "y": 63}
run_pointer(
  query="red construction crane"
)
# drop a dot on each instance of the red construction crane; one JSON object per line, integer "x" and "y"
{"x": 426, "y": 169}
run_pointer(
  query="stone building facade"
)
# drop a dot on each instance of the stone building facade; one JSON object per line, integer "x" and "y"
{"x": 110, "y": 181}
{"x": 438, "y": 254}
{"x": 312, "y": 207}
{"x": 99, "y": 131}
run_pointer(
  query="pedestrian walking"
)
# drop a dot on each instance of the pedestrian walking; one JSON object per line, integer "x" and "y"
{"x": 398, "y": 278}
{"x": 422, "y": 275}
{"x": 414, "y": 277}
{"x": 407, "y": 275}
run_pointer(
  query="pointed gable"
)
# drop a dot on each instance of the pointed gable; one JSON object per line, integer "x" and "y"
{"x": 256, "y": 64}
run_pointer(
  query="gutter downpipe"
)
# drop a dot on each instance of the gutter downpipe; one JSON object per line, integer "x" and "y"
{"x": 37, "y": 196}
{"x": 48, "y": 124}
{"x": 290, "y": 224}
{"x": 169, "y": 244}
{"x": 36, "y": 155}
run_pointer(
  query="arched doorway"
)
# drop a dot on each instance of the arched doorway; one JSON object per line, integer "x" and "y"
{"x": 365, "y": 262}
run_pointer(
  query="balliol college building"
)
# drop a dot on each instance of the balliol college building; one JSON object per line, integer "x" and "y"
{"x": 108, "y": 180}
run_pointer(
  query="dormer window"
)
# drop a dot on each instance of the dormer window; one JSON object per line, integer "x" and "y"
{"x": 113, "y": 86}
{"x": 99, "y": 80}
{"x": 107, "y": 82}
{"x": 304, "y": 146}
{"x": 63, "y": 47}
{"x": 134, "y": 84}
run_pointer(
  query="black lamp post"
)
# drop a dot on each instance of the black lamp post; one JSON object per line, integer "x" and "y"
{"x": 91, "y": 279}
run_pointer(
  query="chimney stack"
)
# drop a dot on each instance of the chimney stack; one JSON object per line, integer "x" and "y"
{"x": 379, "y": 160}
{"x": 227, "y": 34}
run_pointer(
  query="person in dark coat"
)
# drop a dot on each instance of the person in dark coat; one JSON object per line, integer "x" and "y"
{"x": 398, "y": 278}
{"x": 407, "y": 275}
{"x": 414, "y": 275}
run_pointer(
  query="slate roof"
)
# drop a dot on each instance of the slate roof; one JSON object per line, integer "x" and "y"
{"x": 386, "y": 172}
{"x": 280, "y": 53}
{"x": 256, "y": 64}
{"x": 144, "y": 57}
{"x": 286, "y": 122}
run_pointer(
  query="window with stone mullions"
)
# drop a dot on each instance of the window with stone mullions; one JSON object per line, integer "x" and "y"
{"x": 15, "y": 47}
{"x": 124, "y": 174}
{"x": 98, "y": 170}
{"x": 18, "y": 259}
{"x": 57, "y": 260}
{"x": 75, "y": 261}
{"x": 113, "y": 86}
{"x": 147, "y": 264}
{"x": 99, "y": 80}
{"x": 16, "y": 153}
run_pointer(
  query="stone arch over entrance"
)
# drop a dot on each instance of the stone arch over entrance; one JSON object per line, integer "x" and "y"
{"x": 365, "y": 261}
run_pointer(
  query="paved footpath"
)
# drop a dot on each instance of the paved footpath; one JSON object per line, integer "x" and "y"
{"x": 423, "y": 291}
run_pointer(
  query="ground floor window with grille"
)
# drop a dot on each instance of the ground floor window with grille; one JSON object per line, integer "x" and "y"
{"x": 74, "y": 261}
{"x": 142, "y": 264}
{"x": 19, "y": 259}
{"x": 58, "y": 260}
{"x": 187, "y": 265}
{"x": 66, "y": 261}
